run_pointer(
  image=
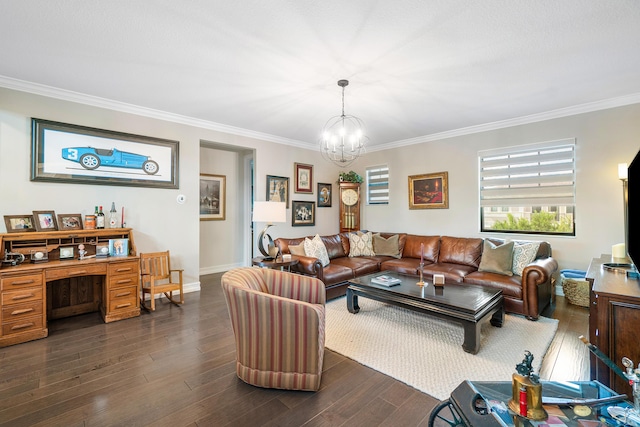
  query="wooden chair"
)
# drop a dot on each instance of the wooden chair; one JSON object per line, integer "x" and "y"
{"x": 158, "y": 277}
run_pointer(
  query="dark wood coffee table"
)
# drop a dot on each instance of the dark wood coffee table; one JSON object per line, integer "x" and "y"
{"x": 469, "y": 305}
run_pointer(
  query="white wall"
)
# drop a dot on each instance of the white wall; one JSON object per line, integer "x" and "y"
{"x": 603, "y": 138}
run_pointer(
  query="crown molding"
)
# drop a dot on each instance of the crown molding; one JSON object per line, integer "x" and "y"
{"x": 67, "y": 95}
{"x": 533, "y": 118}
{"x": 95, "y": 101}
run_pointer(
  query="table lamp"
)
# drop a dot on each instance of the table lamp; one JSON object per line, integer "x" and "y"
{"x": 269, "y": 212}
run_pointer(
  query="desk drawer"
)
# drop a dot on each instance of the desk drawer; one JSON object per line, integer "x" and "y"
{"x": 127, "y": 267}
{"x": 22, "y": 295}
{"x": 76, "y": 270}
{"x": 120, "y": 281}
{"x": 22, "y": 325}
{"x": 18, "y": 311}
{"x": 21, "y": 281}
{"x": 123, "y": 299}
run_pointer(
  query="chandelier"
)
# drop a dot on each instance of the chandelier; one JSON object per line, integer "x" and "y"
{"x": 343, "y": 137}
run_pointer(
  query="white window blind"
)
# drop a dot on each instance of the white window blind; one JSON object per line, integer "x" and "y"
{"x": 530, "y": 175}
{"x": 378, "y": 185}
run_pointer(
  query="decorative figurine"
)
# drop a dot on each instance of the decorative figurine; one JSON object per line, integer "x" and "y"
{"x": 526, "y": 397}
{"x": 81, "y": 251}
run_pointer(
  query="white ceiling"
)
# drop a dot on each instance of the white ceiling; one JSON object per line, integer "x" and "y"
{"x": 417, "y": 68}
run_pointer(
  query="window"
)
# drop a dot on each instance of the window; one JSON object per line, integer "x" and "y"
{"x": 533, "y": 185}
{"x": 378, "y": 185}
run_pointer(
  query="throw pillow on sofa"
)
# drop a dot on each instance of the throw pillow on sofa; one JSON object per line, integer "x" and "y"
{"x": 316, "y": 248}
{"x": 297, "y": 249}
{"x": 388, "y": 247}
{"x": 361, "y": 244}
{"x": 497, "y": 259}
{"x": 523, "y": 255}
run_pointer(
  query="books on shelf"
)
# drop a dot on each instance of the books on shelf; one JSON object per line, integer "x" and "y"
{"x": 386, "y": 280}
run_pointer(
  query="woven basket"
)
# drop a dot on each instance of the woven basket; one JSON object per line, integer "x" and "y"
{"x": 576, "y": 291}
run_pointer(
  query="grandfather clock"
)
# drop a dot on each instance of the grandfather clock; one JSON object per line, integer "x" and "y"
{"x": 349, "y": 206}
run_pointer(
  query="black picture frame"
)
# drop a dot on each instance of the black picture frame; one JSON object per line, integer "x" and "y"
{"x": 277, "y": 189}
{"x": 325, "y": 193}
{"x": 74, "y": 154}
{"x": 303, "y": 213}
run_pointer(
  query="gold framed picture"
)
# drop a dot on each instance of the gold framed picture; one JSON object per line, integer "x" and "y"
{"x": 429, "y": 191}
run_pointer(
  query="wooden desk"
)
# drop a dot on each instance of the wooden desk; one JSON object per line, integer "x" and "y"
{"x": 614, "y": 316}
{"x": 32, "y": 293}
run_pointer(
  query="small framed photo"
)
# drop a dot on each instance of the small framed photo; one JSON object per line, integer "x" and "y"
{"x": 66, "y": 252}
{"x": 213, "y": 197}
{"x": 70, "y": 221}
{"x": 278, "y": 189}
{"x": 429, "y": 191}
{"x": 118, "y": 247}
{"x": 19, "y": 223}
{"x": 303, "y": 175}
{"x": 304, "y": 213}
{"x": 324, "y": 195}
{"x": 45, "y": 220}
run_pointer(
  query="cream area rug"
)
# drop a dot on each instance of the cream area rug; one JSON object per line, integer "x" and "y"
{"x": 426, "y": 352}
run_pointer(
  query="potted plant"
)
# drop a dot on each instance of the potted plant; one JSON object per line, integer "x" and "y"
{"x": 350, "y": 176}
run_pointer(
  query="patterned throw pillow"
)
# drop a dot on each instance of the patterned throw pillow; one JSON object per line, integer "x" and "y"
{"x": 297, "y": 249}
{"x": 361, "y": 244}
{"x": 523, "y": 255}
{"x": 316, "y": 248}
{"x": 497, "y": 259}
{"x": 388, "y": 247}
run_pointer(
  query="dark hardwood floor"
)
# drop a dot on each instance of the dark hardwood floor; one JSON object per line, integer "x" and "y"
{"x": 175, "y": 367}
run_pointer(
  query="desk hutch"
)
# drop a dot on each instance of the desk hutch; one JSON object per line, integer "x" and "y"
{"x": 32, "y": 293}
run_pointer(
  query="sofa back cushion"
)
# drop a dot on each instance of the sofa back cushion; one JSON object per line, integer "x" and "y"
{"x": 412, "y": 247}
{"x": 387, "y": 246}
{"x": 361, "y": 244}
{"x": 460, "y": 250}
{"x": 334, "y": 245}
{"x": 497, "y": 259}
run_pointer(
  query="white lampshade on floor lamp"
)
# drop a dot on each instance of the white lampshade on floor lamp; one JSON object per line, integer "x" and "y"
{"x": 269, "y": 212}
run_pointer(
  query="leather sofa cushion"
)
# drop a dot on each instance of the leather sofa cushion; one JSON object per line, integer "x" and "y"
{"x": 335, "y": 273}
{"x": 460, "y": 250}
{"x": 453, "y": 273}
{"x": 359, "y": 265}
{"x": 431, "y": 247}
{"x": 511, "y": 285}
{"x": 335, "y": 248}
{"x": 402, "y": 265}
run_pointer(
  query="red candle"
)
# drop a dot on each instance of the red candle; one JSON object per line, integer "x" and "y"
{"x": 421, "y": 253}
{"x": 122, "y": 222}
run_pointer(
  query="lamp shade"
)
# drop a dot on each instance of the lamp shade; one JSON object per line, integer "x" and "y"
{"x": 622, "y": 171}
{"x": 270, "y": 212}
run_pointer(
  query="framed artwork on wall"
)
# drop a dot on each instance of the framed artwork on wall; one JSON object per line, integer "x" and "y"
{"x": 429, "y": 191}
{"x": 75, "y": 154}
{"x": 303, "y": 213}
{"x": 324, "y": 195}
{"x": 213, "y": 197}
{"x": 45, "y": 220}
{"x": 278, "y": 189}
{"x": 19, "y": 223}
{"x": 303, "y": 176}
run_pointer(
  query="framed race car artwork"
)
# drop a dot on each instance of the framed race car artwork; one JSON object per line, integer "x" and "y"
{"x": 82, "y": 155}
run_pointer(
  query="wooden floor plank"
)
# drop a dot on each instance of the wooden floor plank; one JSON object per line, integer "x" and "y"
{"x": 182, "y": 360}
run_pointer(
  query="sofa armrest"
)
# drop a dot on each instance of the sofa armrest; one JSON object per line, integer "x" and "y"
{"x": 295, "y": 287}
{"x": 309, "y": 266}
{"x": 534, "y": 275}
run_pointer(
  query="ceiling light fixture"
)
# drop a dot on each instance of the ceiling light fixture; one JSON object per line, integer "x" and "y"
{"x": 343, "y": 137}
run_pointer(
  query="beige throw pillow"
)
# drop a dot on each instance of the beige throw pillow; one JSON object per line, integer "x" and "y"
{"x": 297, "y": 249}
{"x": 361, "y": 244}
{"x": 497, "y": 259}
{"x": 388, "y": 247}
{"x": 315, "y": 248}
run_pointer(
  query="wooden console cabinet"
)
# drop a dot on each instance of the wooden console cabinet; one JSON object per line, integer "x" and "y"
{"x": 614, "y": 317}
{"x": 31, "y": 293}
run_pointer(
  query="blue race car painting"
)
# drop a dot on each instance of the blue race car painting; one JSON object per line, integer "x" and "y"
{"x": 92, "y": 158}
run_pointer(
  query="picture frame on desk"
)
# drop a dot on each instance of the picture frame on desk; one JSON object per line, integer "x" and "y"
{"x": 118, "y": 247}
{"x": 70, "y": 221}
{"x": 19, "y": 223}
{"x": 45, "y": 220}
{"x": 102, "y": 250}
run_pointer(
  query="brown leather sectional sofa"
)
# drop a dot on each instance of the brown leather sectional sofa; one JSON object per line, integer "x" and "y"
{"x": 457, "y": 258}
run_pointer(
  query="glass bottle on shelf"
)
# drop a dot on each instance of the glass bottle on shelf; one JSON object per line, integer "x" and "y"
{"x": 100, "y": 219}
{"x": 113, "y": 216}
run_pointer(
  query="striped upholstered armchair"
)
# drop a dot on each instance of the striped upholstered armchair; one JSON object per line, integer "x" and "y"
{"x": 278, "y": 323}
